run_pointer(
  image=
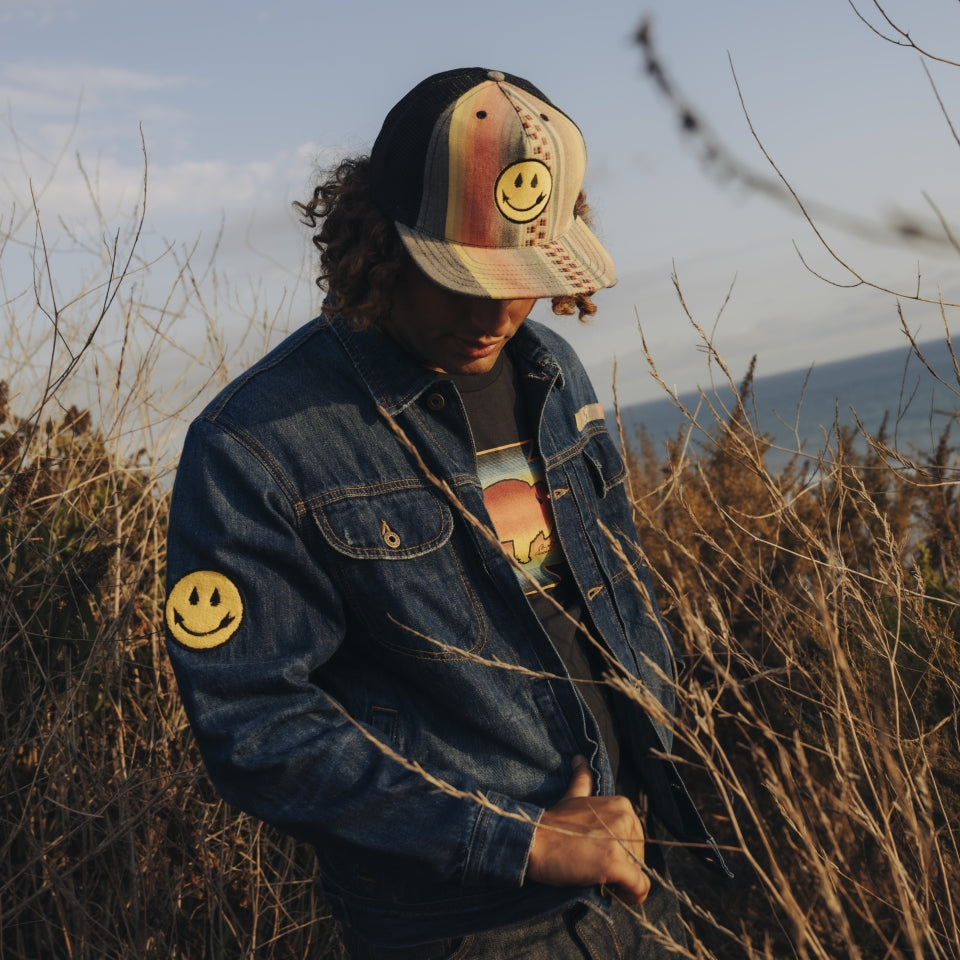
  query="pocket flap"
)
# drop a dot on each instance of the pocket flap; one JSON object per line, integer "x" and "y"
{"x": 606, "y": 465}
{"x": 384, "y": 522}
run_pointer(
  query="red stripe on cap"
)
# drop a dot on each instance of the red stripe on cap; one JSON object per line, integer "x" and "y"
{"x": 478, "y": 146}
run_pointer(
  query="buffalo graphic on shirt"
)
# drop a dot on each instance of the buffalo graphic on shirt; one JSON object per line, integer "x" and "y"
{"x": 516, "y": 497}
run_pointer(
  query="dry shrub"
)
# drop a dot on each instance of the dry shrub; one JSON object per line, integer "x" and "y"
{"x": 112, "y": 842}
{"x": 114, "y": 845}
{"x": 816, "y": 607}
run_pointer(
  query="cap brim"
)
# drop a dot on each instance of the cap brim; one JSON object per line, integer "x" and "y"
{"x": 571, "y": 264}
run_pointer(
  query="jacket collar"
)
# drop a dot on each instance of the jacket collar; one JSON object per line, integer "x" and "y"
{"x": 395, "y": 381}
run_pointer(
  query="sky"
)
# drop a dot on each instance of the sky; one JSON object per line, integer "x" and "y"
{"x": 239, "y": 104}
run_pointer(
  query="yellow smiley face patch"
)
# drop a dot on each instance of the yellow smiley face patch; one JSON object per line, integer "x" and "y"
{"x": 523, "y": 190}
{"x": 204, "y": 609}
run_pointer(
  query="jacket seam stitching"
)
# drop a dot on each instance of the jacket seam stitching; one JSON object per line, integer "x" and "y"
{"x": 263, "y": 457}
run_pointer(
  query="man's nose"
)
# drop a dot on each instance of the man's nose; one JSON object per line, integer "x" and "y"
{"x": 492, "y": 318}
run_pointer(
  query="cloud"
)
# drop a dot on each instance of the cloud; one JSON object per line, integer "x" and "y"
{"x": 240, "y": 210}
{"x": 57, "y": 88}
{"x": 190, "y": 189}
{"x": 55, "y": 111}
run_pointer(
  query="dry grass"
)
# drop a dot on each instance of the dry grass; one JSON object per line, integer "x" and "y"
{"x": 816, "y": 607}
{"x": 817, "y": 611}
{"x": 112, "y": 843}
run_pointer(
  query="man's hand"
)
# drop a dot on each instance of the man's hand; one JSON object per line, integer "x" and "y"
{"x": 586, "y": 840}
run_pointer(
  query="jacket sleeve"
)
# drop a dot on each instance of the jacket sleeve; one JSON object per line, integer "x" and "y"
{"x": 251, "y": 621}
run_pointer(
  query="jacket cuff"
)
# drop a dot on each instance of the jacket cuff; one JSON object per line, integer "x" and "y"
{"x": 500, "y": 845}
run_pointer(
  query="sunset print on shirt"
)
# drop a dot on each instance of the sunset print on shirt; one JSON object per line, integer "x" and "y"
{"x": 517, "y": 499}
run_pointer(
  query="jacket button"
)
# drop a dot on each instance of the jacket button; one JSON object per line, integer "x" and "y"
{"x": 436, "y": 401}
{"x": 390, "y": 537}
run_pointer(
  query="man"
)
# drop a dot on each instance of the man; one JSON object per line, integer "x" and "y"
{"x": 402, "y": 562}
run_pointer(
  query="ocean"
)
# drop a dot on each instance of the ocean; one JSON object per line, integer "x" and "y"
{"x": 800, "y": 408}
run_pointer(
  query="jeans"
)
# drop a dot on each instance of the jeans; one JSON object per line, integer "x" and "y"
{"x": 578, "y": 932}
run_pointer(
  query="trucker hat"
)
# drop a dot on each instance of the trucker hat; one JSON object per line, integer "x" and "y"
{"x": 480, "y": 173}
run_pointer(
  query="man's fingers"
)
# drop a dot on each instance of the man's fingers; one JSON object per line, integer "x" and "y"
{"x": 581, "y": 783}
{"x": 585, "y": 839}
{"x": 634, "y": 894}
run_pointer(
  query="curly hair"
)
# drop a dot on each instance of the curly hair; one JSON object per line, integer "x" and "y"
{"x": 361, "y": 254}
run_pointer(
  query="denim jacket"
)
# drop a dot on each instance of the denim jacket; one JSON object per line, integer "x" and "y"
{"x": 374, "y": 680}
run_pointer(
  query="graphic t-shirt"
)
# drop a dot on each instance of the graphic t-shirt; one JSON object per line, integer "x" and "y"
{"x": 517, "y": 498}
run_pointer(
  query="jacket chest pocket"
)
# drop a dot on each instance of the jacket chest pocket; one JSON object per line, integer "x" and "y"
{"x": 603, "y": 463}
{"x": 384, "y": 522}
{"x": 391, "y": 549}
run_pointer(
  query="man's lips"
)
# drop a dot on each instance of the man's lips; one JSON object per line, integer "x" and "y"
{"x": 477, "y": 349}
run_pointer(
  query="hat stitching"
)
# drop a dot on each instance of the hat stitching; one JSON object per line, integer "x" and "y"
{"x": 567, "y": 266}
{"x": 537, "y": 230}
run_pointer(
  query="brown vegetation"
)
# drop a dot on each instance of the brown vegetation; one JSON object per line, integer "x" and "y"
{"x": 816, "y": 608}
{"x": 112, "y": 842}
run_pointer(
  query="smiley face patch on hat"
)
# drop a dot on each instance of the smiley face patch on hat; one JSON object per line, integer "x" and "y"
{"x": 204, "y": 609}
{"x": 523, "y": 190}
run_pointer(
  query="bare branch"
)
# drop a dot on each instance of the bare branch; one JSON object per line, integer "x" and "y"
{"x": 720, "y": 162}
{"x": 905, "y": 39}
{"x": 943, "y": 109}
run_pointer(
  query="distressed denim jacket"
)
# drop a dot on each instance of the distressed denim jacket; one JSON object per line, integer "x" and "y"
{"x": 355, "y": 651}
